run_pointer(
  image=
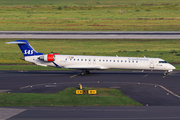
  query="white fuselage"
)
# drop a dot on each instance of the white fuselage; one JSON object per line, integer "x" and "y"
{"x": 103, "y": 62}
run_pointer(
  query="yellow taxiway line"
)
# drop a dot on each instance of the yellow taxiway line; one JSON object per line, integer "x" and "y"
{"x": 73, "y": 76}
{"x": 167, "y": 75}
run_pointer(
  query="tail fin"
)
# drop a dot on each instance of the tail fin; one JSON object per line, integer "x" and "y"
{"x": 25, "y": 47}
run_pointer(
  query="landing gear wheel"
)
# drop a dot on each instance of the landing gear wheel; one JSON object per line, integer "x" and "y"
{"x": 87, "y": 72}
{"x": 82, "y": 73}
{"x": 166, "y": 72}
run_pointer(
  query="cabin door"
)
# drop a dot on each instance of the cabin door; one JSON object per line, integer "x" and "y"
{"x": 151, "y": 65}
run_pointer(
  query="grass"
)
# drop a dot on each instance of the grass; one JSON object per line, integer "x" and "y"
{"x": 28, "y": 67}
{"x": 115, "y": 15}
{"x": 165, "y": 49}
{"x": 82, "y": 2}
{"x": 177, "y": 67}
{"x": 67, "y": 97}
{"x": 43, "y": 24}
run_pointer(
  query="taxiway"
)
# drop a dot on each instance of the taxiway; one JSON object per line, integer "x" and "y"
{"x": 91, "y": 34}
{"x": 159, "y": 94}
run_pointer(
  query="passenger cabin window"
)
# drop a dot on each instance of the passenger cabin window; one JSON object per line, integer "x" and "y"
{"x": 81, "y": 59}
{"x": 121, "y": 60}
{"x": 85, "y": 59}
{"x": 103, "y": 60}
{"x": 162, "y": 62}
{"x": 99, "y": 60}
{"x": 114, "y": 60}
{"x": 125, "y": 60}
{"x": 109, "y": 60}
{"x": 74, "y": 59}
{"x": 66, "y": 59}
{"x": 106, "y": 60}
{"x": 136, "y": 61}
{"x": 117, "y": 60}
{"x": 77, "y": 59}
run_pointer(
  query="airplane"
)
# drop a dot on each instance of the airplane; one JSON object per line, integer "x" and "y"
{"x": 87, "y": 63}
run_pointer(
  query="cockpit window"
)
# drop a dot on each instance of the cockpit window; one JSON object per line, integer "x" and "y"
{"x": 162, "y": 62}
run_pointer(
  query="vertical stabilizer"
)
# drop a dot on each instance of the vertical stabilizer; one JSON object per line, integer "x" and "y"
{"x": 25, "y": 47}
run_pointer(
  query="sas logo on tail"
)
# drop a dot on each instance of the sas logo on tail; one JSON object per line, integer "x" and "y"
{"x": 28, "y": 52}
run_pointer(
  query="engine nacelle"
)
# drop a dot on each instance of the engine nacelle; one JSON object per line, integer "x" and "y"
{"x": 48, "y": 57}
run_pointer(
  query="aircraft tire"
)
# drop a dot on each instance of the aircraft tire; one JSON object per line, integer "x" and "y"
{"x": 82, "y": 73}
{"x": 87, "y": 72}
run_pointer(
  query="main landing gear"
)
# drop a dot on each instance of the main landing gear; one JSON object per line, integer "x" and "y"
{"x": 84, "y": 72}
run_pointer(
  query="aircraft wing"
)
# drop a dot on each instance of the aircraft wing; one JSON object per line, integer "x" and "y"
{"x": 85, "y": 67}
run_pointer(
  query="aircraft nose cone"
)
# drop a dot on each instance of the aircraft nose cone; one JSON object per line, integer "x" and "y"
{"x": 173, "y": 67}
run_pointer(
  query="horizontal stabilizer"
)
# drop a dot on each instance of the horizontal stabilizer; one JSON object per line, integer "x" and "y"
{"x": 16, "y": 42}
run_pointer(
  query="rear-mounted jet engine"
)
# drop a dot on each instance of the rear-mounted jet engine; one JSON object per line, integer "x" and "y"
{"x": 48, "y": 57}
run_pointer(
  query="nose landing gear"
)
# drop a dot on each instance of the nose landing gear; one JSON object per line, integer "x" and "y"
{"x": 167, "y": 72}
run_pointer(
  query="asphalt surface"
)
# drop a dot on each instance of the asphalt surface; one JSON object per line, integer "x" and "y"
{"x": 159, "y": 94}
{"x": 91, "y": 34}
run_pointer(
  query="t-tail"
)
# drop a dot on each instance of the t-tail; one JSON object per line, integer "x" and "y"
{"x": 25, "y": 47}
